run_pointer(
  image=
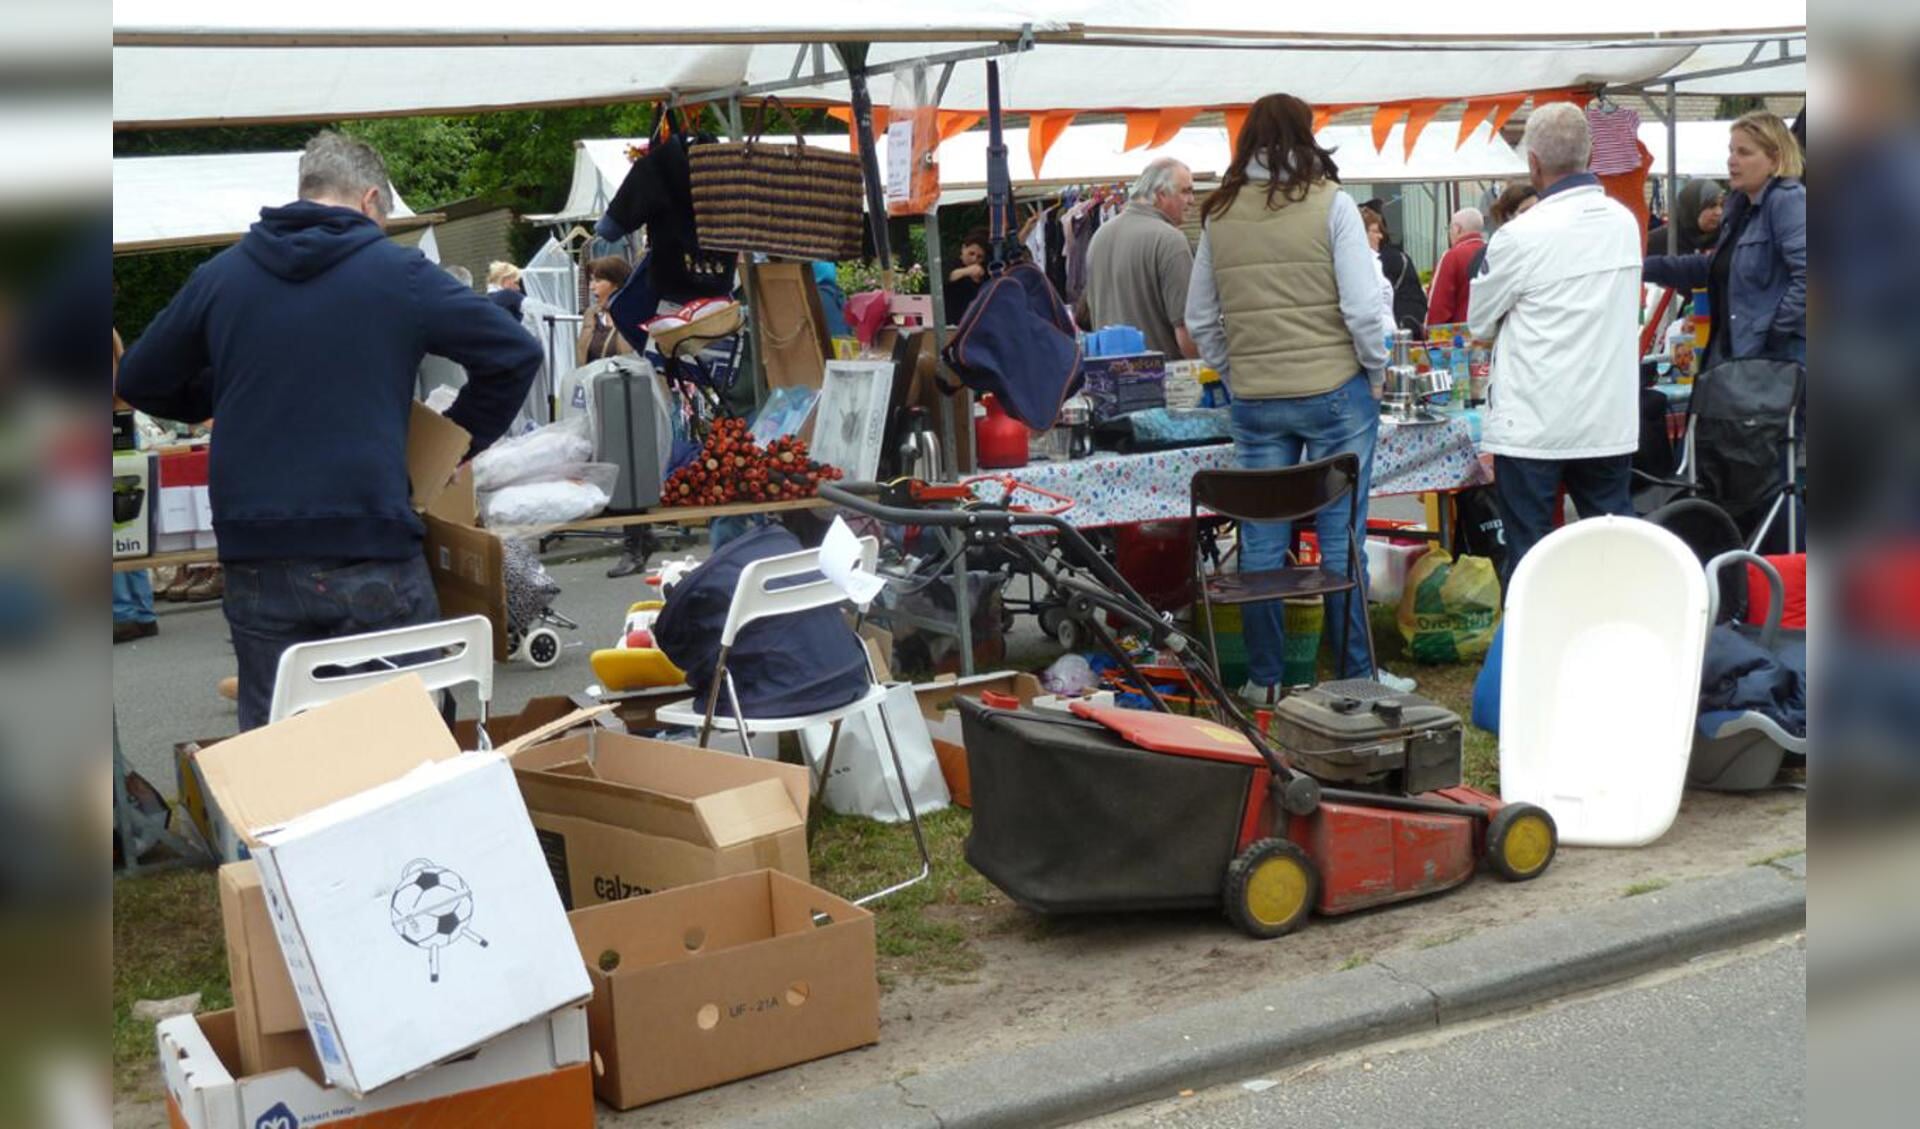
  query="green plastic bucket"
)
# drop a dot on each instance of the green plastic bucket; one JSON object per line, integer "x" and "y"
{"x": 1304, "y": 620}
{"x": 1231, "y": 643}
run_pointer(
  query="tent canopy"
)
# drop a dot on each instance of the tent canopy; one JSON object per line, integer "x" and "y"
{"x": 1702, "y": 148}
{"x": 162, "y": 203}
{"x": 200, "y": 61}
{"x": 1095, "y": 154}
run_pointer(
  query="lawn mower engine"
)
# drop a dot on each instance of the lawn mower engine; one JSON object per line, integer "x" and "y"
{"x": 1362, "y": 735}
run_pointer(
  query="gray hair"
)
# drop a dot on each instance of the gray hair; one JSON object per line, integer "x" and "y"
{"x": 337, "y": 165}
{"x": 1558, "y": 137}
{"x": 1470, "y": 219}
{"x": 1157, "y": 178}
{"x": 461, "y": 275}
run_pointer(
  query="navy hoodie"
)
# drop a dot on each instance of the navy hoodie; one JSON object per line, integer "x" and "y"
{"x": 302, "y": 344}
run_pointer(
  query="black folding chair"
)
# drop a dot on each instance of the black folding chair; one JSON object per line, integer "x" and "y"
{"x": 1287, "y": 494}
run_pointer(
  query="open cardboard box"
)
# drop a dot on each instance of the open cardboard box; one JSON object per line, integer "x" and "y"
{"x": 943, "y": 719}
{"x": 467, "y": 562}
{"x": 537, "y": 719}
{"x": 620, "y": 816}
{"x": 534, "y": 1077}
{"x": 705, "y": 984}
{"x": 270, "y": 1029}
{"x": 403, "y": 879}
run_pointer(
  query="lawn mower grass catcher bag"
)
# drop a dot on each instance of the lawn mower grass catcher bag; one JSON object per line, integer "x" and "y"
{"x": 784, "y": 666}
{"x": 1070, "y": 818}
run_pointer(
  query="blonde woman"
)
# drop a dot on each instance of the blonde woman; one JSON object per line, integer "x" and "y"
{"x": 1756, "y": 277}
{"x": 503, "y": 287}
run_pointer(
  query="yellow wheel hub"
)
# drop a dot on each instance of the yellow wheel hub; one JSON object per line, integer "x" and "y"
{"x": 1527, "y": 845}
{"x": 1276, "y": 891}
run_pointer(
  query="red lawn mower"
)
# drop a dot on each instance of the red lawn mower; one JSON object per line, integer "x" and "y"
{"x": 1359, "y": 805}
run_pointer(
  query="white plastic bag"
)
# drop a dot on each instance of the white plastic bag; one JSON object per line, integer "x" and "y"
{"x": 863, "y": 780}
{"x": 581, "y": 493}
{"x": 549, "y": 452}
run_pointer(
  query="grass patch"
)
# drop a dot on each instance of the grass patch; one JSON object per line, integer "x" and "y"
{"x": 1647, "y": 887}
{"x": 1357, "y": 960}
{"x": 1782, "y": 809}
{"x": 1440, "y": 939}
{"x": 919, "y": 929}
{"x": 167, "y": 942}
{"x": 1783, "y": 853}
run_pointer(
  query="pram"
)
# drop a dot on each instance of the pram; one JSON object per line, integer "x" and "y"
{"x": 1741, "y": 451}
{"x": 531, "y": 620}
{"x": 1112, "y": 809}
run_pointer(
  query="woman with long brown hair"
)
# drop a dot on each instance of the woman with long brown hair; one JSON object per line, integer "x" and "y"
{"x": 1285, "y": 304}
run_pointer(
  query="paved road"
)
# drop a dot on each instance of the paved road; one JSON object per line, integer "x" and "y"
{"x": 1720, "y": 1043}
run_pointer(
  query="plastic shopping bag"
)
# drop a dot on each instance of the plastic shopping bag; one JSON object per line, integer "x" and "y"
{"x": 862, "y": 779}
{"x": 1450, "y": 607}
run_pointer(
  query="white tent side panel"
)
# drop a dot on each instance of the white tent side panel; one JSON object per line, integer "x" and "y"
{"x": 204, "y": 200}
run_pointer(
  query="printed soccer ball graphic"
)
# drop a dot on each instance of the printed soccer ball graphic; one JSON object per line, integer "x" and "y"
{"x": 431, "y": 908}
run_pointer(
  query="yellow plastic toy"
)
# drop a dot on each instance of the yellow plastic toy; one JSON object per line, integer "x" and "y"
{"x": 633, "y": 663}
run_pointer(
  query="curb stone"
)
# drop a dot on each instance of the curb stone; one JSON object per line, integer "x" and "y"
{"x": 1397, "y": 994}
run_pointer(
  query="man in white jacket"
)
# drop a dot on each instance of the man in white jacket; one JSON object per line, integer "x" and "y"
{"x": 1559, "y": 297}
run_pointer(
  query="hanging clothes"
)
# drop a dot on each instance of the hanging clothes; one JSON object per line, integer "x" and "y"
{"x": 1630, "y": 188}
{"x": 1616, "y": 139}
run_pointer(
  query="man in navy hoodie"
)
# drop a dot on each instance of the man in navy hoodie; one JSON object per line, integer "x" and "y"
{"x": 302, "y": 342}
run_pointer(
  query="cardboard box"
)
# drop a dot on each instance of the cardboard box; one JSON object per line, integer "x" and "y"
{"x": 271, "y": 1032}
{"x": 403, "y": 879}
{"x": 620, "y": 816}
{"x": 181, "y": 475}
{"x": 705, "y": 984}
{"x": 537, "y": 719}
{"x": 133, "y": 504}
{"x": 1122, "y": 384}
{"x": 943, "y": 719}
{"x": 469, "y": 575}
{"x": 535, "y": 1077}
{"x": 436, "y": 446}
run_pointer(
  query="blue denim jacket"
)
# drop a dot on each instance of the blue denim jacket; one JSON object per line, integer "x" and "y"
{"x": 1766, "y": 302}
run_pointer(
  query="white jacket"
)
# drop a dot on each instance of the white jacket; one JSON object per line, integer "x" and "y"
{"x": 1560, "y": 299}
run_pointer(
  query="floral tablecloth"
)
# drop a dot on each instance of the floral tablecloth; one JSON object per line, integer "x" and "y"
{"x": 1110, "y": 489}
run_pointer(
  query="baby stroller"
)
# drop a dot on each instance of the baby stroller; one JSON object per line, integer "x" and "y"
{"x": 1743, "y": 749}
{"x": 530, "y": 616}
{"x": 1357, "y": 804}
{"x": 1741, "y": 451}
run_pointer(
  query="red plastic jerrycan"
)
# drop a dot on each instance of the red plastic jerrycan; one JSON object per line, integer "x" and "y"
{"x": 1000, "y": 441}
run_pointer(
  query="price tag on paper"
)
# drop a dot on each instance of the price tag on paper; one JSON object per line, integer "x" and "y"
{"x": 899, "y": 161}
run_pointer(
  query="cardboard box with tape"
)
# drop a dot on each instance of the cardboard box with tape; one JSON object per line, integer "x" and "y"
{"x": 403, "y": 880}
{"x": 705, "y": 984}
{"x": 620, "y": 816}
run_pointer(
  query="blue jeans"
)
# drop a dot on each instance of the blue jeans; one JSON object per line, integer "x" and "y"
{"x": 272, "y": 605}
{"x": 1527, "y": 489}
{"x": 1281, "y": 433}
{"x": 132, "y": 597}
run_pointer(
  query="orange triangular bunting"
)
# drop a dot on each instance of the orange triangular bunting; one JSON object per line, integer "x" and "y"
{"x": 1141, "y": 126}
{"x": 1504, "y": 110}
{"x": 1042, "y": 131}
{"x": 1417, "y": 119}
{"x": 1171, "y": 120}
{"x": 953, "y": 123}
{"x": 1384, "y": 119}
{"x": 1475, "y": 113}
{"x": 1321, "y": 116}
{"x": 1236, "y": 121}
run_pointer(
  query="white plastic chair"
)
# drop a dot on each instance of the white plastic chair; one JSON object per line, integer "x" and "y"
{"x": 365, "y": 660}
{"x": 755, "y": 599}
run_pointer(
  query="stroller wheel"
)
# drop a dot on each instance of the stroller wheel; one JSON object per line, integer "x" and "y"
{"x": 1270, "y": 888}
{"x": 1521, "y": 841}
{"x": 542, "y": 647}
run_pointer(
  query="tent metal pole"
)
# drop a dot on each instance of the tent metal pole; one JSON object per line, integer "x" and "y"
{"x": 936, "y": 289}
{"x": 854, "y": 57}
{"x": 1673, "y": 172}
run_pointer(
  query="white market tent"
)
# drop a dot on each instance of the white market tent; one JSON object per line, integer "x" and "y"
{"x": 1095, "y": 154}
{"x": 1702, "y": 148}
{"x": 163, "y": 203}
{"x": 179, "y": 62}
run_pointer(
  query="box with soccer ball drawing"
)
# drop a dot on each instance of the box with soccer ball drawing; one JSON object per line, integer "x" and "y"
{"x": 408, "y": 894}
{"x": 534, "y": 1077}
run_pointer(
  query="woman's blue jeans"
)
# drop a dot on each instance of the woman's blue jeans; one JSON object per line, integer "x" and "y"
{"x": 1281, "y": 433}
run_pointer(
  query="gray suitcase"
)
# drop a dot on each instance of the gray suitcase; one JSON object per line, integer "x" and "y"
{"x": 632, "y": 428}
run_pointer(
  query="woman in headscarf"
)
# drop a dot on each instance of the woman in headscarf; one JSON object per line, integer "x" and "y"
{"x": 1697, "y": 209}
